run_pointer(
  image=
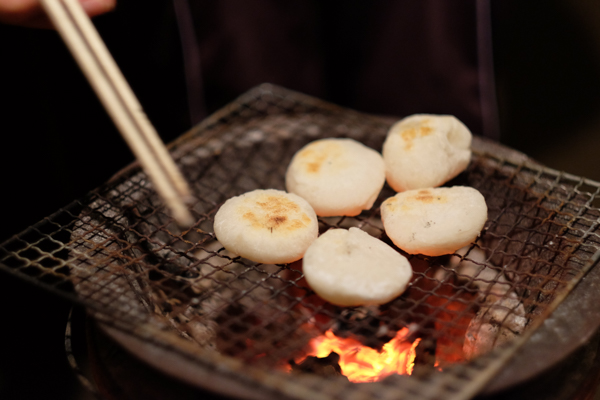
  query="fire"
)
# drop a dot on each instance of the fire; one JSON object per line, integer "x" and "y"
{"x": 360, "y": 363}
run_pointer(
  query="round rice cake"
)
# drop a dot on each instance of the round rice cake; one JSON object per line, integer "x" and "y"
{"x": 425, "y": 150}
{"x": 352, "y": 268}
{"x": 337, "y": 176}
{"x": 434, "y": 221}
{"x": 267, "y": 226}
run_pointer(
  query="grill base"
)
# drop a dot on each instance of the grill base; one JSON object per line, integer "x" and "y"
{"x": 114, "y": 365}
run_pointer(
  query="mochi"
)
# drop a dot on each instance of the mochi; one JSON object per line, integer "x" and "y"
{"x": 337, "y": 176}
{"x": 267, "y": 226}
{"x": 425, "y": 150}
{"x": 434, "y": 221}
{"x": 352, "y": 268}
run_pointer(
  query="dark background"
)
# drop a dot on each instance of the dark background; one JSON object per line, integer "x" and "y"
{"x": 57, "y": 143}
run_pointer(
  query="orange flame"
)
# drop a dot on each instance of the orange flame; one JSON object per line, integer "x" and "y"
{"x": 360, "y": 363}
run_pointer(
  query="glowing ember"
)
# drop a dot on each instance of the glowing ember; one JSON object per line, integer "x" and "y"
{"x": 360, "y": 363}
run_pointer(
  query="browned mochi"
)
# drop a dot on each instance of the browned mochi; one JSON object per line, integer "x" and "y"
{"x": 337, "y": 176}
{"x": 267, "y": 226}
{"x": 276, "y": 212}
{"x": 425, "y": 150}
{"x": 434, "y": 221}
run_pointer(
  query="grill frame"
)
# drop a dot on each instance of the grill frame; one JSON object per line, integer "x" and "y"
{"x": 461, "y": 381}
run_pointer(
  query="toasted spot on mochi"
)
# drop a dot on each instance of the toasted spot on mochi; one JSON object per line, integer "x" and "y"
{"x": 434, "y": 221}
{"x": 337, "y": 176}
{"x": 425, "y": 150}
{"x": 267, "y": 226}
{"x": 352, "y": 268}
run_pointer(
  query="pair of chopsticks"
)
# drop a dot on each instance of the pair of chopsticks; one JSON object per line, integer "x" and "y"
{"x": 101, "y": 70}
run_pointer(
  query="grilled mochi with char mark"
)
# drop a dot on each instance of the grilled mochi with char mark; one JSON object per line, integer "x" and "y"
{"x": 434, "y": 221}
{"x": 337, "y": 176}
{"x": 267, "y": 226}
{"x": 425, "y": 150}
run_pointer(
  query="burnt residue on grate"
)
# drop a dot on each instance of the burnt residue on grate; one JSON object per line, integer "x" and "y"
{"x": 121, "y": 255}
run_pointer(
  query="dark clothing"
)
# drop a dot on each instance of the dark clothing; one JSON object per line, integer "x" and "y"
{"x": 386, "y": 57}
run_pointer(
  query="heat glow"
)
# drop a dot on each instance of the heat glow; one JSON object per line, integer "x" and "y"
{"x": 360, "y": 363}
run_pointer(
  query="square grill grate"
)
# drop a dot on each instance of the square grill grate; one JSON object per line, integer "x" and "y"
{"x": 118, "y": 253}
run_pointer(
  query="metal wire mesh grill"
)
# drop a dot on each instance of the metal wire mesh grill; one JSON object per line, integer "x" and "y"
{"x": 119, "y": 253}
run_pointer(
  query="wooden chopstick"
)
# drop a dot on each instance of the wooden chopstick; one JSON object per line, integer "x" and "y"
{"x": 94, "y": 59}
